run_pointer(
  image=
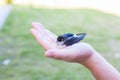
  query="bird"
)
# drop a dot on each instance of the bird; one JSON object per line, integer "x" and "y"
{"x": 69, "y": 39}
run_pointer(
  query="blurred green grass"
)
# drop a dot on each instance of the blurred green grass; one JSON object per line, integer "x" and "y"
{"x": 27, "y": 56}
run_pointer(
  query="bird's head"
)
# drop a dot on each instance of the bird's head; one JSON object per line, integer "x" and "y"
{"x": 62, "y": 38}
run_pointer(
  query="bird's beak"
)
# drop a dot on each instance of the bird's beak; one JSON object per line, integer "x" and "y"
{"x": 58, "y": 43}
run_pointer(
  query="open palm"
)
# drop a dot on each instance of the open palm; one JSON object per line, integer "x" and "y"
{"x": 46, "y": 38}
{"x": 75, "y": 53}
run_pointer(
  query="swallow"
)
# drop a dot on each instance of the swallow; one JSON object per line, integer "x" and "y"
{"x": 69, "y": 39}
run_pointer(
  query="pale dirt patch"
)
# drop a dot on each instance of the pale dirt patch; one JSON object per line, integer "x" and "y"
{"x": 4, "y": 12}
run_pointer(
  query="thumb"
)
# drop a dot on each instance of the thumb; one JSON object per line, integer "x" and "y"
{"x": 57, "y": 54}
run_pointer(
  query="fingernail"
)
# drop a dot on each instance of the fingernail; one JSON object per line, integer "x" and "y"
{"x": 32, "y": 30}
{"x": 35, "y": 23}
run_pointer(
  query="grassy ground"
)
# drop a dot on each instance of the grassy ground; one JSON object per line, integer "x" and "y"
{"x": 27, "y": 56}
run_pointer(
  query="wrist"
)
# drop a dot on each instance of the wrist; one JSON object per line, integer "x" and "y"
{"x": 93, "y": 59}
{"x": 100, "y": 68}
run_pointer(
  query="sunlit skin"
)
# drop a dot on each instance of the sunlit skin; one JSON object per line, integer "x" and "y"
{"x": 81, "y": 53}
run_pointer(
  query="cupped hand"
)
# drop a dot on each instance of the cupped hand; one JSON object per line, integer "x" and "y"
{"x": 78, "y": 53}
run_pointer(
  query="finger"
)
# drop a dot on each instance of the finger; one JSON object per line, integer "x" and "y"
{"x": 44, "y": 43}
{"x": 39, "y": 27}
{"x": 51, "y": 35}
{"x": 59, "y": 54}
{"x": 41, "y": 30}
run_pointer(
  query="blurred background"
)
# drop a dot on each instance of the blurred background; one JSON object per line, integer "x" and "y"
{"x": 22, "y": 58}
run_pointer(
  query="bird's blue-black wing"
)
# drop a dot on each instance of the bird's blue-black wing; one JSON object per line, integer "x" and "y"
{"x": 72, "y": 40}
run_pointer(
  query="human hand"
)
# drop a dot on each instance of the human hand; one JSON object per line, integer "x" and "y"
{"x": 78, "y": 53}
